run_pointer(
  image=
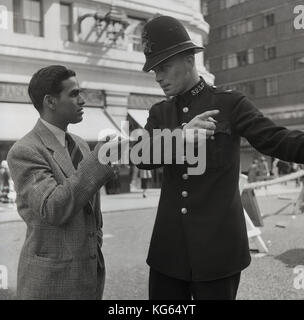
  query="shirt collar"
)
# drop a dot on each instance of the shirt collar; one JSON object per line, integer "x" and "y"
{"x": 58, "y": 133}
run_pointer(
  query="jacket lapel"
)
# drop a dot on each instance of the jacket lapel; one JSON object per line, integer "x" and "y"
{"x": 60, "y": 154}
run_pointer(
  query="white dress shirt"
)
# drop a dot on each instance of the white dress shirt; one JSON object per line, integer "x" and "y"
{"x": 58, "y": 133}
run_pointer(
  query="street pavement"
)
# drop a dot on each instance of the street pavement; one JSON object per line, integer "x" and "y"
{"x": 128, "y": 223}
{"x": 109, "y": 203}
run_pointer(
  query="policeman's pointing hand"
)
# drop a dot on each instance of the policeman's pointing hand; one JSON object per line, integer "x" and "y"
{"x": 203, "y": 121}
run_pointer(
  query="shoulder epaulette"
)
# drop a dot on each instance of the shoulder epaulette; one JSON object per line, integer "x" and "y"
{"x": 217, "y": 90}
{"x": 224, "y": 91}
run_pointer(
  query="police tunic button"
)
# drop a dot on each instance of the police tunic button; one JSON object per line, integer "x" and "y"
{"x": 185, "y": 176}
{"x": 185, "y": 194}
{"x": 184, "y": 211}
{"x": 212, "y": 138}
{"x": 185, "y": 110}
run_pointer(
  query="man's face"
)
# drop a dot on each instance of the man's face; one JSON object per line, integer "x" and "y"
{"x": 173, "y": 74}
{"x": 69, "y": 103}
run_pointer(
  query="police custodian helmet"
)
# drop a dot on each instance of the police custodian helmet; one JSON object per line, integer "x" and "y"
{"x": 162, "y": 38}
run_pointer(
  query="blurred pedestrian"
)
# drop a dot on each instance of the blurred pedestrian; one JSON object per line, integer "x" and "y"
{"x": 253, "y": 171}
{"x": 6, "y": 183}
{"x": 145, "y": 176}
{"x": 263, "y": 168}
{"x": 275, "y": 169}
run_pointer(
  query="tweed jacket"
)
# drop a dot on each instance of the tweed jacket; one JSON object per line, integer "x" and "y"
{"x": 60, "y": 253}
{"x": 200, "y": 230}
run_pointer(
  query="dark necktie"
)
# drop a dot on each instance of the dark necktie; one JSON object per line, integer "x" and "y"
{"x": 74, "y": 150}
{"x": 76, "y": 157}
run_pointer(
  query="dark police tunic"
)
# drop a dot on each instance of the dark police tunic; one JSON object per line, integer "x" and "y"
{"x": 200, "y": 230}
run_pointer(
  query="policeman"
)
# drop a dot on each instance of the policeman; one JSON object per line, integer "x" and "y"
{"x": 199, "y": 244}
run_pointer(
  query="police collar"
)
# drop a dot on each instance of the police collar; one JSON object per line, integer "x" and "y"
{"x": 194, "y": 91}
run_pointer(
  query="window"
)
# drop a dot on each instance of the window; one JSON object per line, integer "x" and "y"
{"x": 238, "y": 59}
{"x": 242, "y": 58}
{"x": 271, "y": 86}
{"x": 204, "y": 7}
{"x": 232, "y": 61}
{"x": 222, "y": 4}
{"x": 224, "y": 62}
{"x": 28, "y": 17}
{"x": 134, "y": 31}
{"x": 270, "y": 53}
{"x": 268, "y": 20}
{"x": 225, "y": 4}
{"x": 66, "y": 22}
{"x": 250, "y": 55}
{"x": 249, "y": 25}
{"x": 236, "y": 28}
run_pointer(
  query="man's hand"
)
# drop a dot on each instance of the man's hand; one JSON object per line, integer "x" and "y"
{"x": 202, "y": 126}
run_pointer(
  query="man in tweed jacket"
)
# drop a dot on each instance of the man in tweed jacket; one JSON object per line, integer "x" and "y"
{"x": 61, "y": 256}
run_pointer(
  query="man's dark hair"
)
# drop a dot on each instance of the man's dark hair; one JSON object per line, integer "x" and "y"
{"x": 47, "y": 80}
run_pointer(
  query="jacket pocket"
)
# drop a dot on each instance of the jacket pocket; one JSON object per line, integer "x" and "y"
{"x": 42, "y": 257}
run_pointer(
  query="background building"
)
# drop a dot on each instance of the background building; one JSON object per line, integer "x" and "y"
{"x": 107, "y": 58}
{"x": 254, "y": 48}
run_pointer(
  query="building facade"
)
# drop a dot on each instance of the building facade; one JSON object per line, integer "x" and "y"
{"x": 254, "y": 47}
{"x": 108, "y": 62}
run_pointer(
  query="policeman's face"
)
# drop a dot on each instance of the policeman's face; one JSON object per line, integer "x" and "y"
{"x": 173, "y": 74}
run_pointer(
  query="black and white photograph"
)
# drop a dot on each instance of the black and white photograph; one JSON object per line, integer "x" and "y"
{"x": 152, "y": 151}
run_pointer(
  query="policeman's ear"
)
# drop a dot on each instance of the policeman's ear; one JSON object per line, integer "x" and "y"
{"x": 49, "y": 102}
{"x": 190, "y": 59}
